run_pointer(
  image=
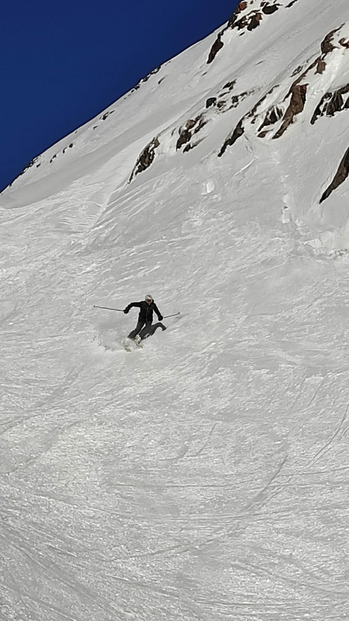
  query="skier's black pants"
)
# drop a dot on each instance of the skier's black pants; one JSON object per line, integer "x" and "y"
{"x": 147, "y": 330}
{"x": 139, "y": 329}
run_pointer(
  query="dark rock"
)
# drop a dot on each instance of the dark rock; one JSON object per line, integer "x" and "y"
{"x": 339, "y": 178}
{"x": 268, "y": 9}
{"x": 218, "y": 44}
{"x": 272, "y": 116}
{"x": 211, "y": 101}
{"x": 238, "y": 131}
{"x": 230, "y": 85}
{"x": 201, "y": 123}
{"x": 327, "y": 45}
{"x": 319, "y": 108}
{"x": 297, "y": 103}
{"x": 187, "y": 148}
{"x": 192, "y": 122}
{"x": 184, "y": 136}
{"x": 242, "y": 6}
{"x": 321, "y": 66}
{"x": 335, "y": 104}
{"x": 146, "y": 158}
{"x": 331, "y": 103}
{"x": 255, "y": 21}
{"x": 297, "y": 70}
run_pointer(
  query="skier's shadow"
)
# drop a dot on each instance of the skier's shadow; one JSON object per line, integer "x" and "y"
{"x": 153, "y": 329}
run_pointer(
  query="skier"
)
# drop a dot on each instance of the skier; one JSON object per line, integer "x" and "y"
{"x": 145, "y": 319}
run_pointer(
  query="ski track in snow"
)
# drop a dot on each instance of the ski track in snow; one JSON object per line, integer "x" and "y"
{"x": 195, "y": 477}
{"x": 204, "y": 476}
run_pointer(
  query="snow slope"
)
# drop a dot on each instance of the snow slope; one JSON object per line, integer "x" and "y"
{"x": 205, "y": 476}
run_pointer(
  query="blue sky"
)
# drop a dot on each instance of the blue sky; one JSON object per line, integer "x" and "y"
{"x": 62, "y": 62}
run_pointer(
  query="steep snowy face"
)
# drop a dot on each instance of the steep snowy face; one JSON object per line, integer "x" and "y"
{"x": 274, "y": 79}
{"x": 205, "y": 475}
{"x": 293, "y": 89}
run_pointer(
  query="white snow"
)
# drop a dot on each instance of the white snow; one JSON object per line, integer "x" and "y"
{"x": 204, "y": 476}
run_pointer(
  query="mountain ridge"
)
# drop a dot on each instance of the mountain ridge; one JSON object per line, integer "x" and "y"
{"x": 279, "y": 108}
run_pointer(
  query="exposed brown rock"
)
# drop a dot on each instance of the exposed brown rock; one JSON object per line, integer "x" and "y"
{"x": 335, "y": 104}
{"x": 327, "y": 45}
{"x": 201, "y": 123}
{"x": 230, "y": 85}
{"x": 254, "y": 21}
{"x": 210, "y": 101}
{"x": 236, "y": 99}
{"x": 184, "y": 137}
{"x": 241, "y": 23}
{"x": 191, "y": 127}
{"x": 145, "y": 158}
{"x": 298, "y": 99}
{"x": 192, "y": 122}
{"x": 272, "y": 116}
{"x": 297, "y": 70}
{"x": 268, "y": 9}
{"x": 321, "y": 66}
{"x": 238, "y": 131}
{"x": 249, "y": 22}
{"x": 331, "y": 103}
{"x": 187, "y": 148}
{"x": 344, "y": 43}
{"x": 320, "y": 108}
{"x": 241, "y": 6}
{"x": 340, "y": 176}
{"x": 218, "y": 44}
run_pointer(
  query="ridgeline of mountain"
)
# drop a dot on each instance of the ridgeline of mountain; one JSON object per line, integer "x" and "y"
{"x": 277, "y": 75}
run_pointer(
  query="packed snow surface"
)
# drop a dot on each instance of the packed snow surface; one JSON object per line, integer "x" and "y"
{"x": 205, "y": 476}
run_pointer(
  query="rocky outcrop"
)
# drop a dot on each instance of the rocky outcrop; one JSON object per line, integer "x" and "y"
{"x": 268, "y": 9}
{"x": 191, "y": 127}
{"x": 211, "y": 101}
{"x": 273, "y": 115}
{"x": 344, "y": 43}
{"x": 29, "y": 165}
{"x": 298, "y": 98}
{"x": 327, "y": 45}
{"x": 238, "y": 131}
{"x": 340, "y": 176}
{"x": 184, "y": 137}
{"x": 331, "y": 103}
{"x": 146, "y": 158}
{"x": 283, "y": 112}
{"x": 276, "y": 109}
{"x": 146, "y": 78}
{"x": 218, "y": 44}
{"x": 243, "y": 20}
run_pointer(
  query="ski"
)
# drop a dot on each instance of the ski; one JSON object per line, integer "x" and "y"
{"x": 131, "y": 344}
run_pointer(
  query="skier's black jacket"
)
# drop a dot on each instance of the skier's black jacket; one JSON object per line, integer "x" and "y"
{"x": 146, "y": 312}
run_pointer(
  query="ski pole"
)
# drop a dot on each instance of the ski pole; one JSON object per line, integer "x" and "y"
{"x": 121, "y": 310}
{"x": 174, "y": 315}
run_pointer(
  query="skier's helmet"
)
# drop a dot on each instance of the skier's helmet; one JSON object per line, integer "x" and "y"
{"x": 148, "y": 298}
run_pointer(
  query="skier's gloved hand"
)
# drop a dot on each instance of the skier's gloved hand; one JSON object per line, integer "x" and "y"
{"x": 160, "y": 317}
{"x": 126, "y": 310}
